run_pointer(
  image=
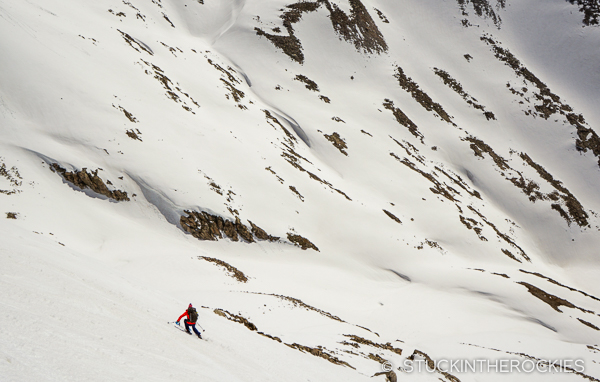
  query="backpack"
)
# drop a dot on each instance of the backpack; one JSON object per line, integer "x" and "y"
{"x": 193, "y": 315}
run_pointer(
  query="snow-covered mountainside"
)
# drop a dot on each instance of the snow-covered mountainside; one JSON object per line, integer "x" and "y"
{"x": 346, "y": 189}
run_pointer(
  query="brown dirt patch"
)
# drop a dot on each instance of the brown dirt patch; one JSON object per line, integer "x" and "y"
{"x": 232, "y": 271}
{"x": 576, "y": 212}
{"x": 458, "y": 89}
{"x": 271, "y": 120}
{"x": 236, "y": 318}
{"x": 128, "y": 115}
{"x": 382, "y": 16}
{"x": 420, "y": 96}
{"x": 554, "y": 301}
{"x": 308, "y": 83}
{"x": 559, "y": 284}
{"x": 293, "y": 158}
{"x": 431, "y": 365}
{"x": 135, "y": 44}
{"x": 503, "y": 236}
{"x": 364, "y": 341}
{"x": 479, "y": 147}
{"x": 173, "y": 91}
{"x": 298, "y": 194}
{"x": 134, "y": 134}
{"x": 301, "y": 304}
{"x": 439, "y": 189}
{"x": 320, "y": 352}
{"x": 588, "y": 324}
{"x": 392, "y": 216}
{"x": 403, "y": 119}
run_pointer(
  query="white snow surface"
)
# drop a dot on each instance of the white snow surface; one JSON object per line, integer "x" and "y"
{"x": 184, "y": 106}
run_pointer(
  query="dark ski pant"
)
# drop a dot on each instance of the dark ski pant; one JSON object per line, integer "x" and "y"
{"x": 187, "y": 327}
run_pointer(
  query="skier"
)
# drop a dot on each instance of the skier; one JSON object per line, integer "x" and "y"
{"x": 192, "y": 317}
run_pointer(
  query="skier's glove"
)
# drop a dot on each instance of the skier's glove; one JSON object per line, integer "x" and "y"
{"x": 177, "y": 322}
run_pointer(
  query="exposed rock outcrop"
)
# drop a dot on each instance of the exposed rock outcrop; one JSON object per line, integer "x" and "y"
{"x": 261, "y": 234}
{"x": 12, "y": 176}
{"x": 205, "y": 226}
{"x": 403, "y": 119}
{"x": 83, "y": 179}
{"x": 409, "y": 85}
{"x": 357, "y": 28}
{"x": 458, "y": 88}
{"x": 590, "y": 10}
{"x": 338, "y": 142}
{"x": 548, "y": 103}
{"x": 484, "y": 9}
{"x": 302, "y": 242}
{"x": 236, "y": 318}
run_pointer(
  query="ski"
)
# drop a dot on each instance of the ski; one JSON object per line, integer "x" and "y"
{"x": 183, "y": 330}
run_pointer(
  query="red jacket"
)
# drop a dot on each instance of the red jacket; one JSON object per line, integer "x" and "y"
{"x": 185, "y": 314}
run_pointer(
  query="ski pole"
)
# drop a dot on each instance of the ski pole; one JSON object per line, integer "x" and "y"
{"x": 201, "y": 327}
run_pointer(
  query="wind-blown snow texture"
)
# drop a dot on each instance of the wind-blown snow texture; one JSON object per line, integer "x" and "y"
{"x": 334, "y": 184}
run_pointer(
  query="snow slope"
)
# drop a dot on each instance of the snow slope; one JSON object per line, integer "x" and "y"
{"x": 437, "y": 161}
